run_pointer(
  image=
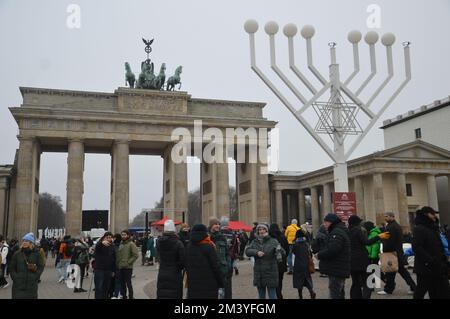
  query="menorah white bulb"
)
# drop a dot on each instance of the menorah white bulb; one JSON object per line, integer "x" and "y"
{"x": 290, "y": 30}
{"x": 308, "y": 31}
{"x": 251, "y": 26}
{"x": 388, "y": 39}
{"x": 354, "y": 36}
{"x": 271, "y": 27}
{"x": 371, "y": 37}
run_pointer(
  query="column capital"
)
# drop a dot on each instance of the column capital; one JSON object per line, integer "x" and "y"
{"x": 121, "y": 141}
{"x": 75, "y": 139}
{"x": 26, "y": 138}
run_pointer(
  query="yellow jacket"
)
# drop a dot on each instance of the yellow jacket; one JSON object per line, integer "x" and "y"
{"x": 290, "y": 233}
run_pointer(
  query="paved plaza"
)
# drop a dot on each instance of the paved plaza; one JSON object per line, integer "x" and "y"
{"x": 144, "y": 284}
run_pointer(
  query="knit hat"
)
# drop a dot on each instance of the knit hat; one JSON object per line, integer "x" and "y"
{"x": 427, "y": 209}
{"x": 263, "y": 226}
{"x": 213, "y": 221}
{"x": 332, "y": 218}
{"x": 29, "y": 237}
{"x": 169, "y": 226}
{"x": 354, "y": 220}
{"x": 199, "y": 228}
{"x": 294, "y": 221}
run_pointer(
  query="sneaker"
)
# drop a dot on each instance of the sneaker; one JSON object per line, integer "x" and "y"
{"x": 60, "y": 280}
{"x": 382, "y": 292}
{"x": 313, "y": 295}
{"x": 76, "y": 290}
{"x": 289, "y": 272}
{"x": 115, "y": 298}
{"x": 410, "y": 292}
{"x": 236, "y": 271}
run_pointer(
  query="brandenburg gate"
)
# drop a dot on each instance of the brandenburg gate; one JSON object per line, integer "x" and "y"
{"x": 127, "y": 122}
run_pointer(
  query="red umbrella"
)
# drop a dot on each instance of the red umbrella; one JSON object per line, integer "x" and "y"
{"x": 162, "y": 221}
{"x": 238, "y": 225}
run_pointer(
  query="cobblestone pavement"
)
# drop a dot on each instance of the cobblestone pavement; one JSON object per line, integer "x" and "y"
{"x": 144, "y": 284}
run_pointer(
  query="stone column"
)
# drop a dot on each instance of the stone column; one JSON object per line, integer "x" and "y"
{"x": 315, "y": 209}
{"x": 175, "y": 186}
{"x": 279, "y": 206}
{"x": 432, "y": 192}
{"x": 378, "y": 198}
{"x": 27, "y": 187}
{"x": 327, "y": 205}
{"x": 121, "y": 185}
{"x": 75, "y": 169}
{"x": 359, "y": 197}
{"x": 301, "y": 206}
{"x": 3, "y": 204}
{"x": 402, "y": 202}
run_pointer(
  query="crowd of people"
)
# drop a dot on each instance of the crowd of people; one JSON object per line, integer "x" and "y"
{"x": 200, "y": 262}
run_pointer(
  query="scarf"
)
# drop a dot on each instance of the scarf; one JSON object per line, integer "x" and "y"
{"x": 207, "y": 240}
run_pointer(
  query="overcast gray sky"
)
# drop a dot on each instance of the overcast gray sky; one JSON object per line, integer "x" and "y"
{"x": 207, "y": 38}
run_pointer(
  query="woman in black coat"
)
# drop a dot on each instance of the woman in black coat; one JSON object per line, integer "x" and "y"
{"x": 301, "y": 276}
{"x": 202, "y": 265}
{"x": 171, "y": 263}
{"x": 359, "y": 258}
{"x": 275, "y": 232}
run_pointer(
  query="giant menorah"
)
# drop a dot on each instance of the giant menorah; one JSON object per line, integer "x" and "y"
{"x": 337, "y": 117}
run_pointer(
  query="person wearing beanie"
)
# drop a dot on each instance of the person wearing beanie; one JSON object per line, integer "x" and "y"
{"x": 302, "y": 276}
{"x": 171, "y": 252}
{"x": 360, "y": 257}
{"x": 267, "y": 252}
{"x": 26, "y": 267}
{"x": 204, "y": 277}
{"x": 223, "y": 238}
{"x": 335, "y": 256}
{"x": 394, "y": 244}
{"x": 430, "y": 261}
{"x": 127, "y": 254}
{"x": 290, "y": 232}
{"x": 275, "y": 232}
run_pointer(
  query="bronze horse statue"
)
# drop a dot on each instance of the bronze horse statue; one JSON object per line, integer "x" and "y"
{"x": 174, "y": 79}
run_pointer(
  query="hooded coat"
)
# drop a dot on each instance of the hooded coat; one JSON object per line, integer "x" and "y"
{"x": 265, "y": 270}
{"x": 203, "y": 270}
{"x": 429, "y": 253}
{"x": 25, "y": 282}
{"x": 302, "y": 253}
{"x": 171, "y": 263}
{"x": 335, "y": 257}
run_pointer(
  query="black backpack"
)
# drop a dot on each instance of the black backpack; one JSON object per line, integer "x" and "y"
{"x": 69, "y": 250}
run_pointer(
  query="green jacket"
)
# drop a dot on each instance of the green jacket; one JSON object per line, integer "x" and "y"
{"x": 25, "y": 282}
{"x": 374, "y": 249}
{"x": 127, "y": 254}
{"x": 265, "y": 270}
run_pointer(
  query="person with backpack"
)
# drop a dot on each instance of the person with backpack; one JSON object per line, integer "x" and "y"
{"x": 66, "y": 251}
{"x": 81, "y": 258}
{"x": 26, "y": 268}
{"x": 217, "y": 233}
{"x": 4, "y": 250}
{"x": 275, "y": 232}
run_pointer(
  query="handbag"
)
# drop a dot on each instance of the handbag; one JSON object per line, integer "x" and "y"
{"x": 389, "y": 262}
{"x": 30, "y": 266}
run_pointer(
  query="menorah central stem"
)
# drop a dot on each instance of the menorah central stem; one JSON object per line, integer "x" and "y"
{"x": 340, "y": 165}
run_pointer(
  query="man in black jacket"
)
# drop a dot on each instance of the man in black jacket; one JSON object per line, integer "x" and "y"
{"x": 335, "y": 257}
{"x": 105, "y": 265}
{"x": 360, "y": 257}
{"x": 394, "y": 244}
{"x": 430, "y": 263}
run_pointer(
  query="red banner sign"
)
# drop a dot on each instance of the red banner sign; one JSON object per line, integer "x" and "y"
{"x": 344, "y": 205}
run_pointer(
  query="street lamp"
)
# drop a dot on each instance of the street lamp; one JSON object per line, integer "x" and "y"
{"x": 337, "y": 116}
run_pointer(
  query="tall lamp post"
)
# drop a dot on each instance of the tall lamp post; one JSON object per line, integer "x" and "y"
{"x": 338, "y": 115}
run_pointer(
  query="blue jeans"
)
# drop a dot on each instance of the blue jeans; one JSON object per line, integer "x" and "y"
{"x": 289, "y": 258}
{"x": 117, "y": 284}
{"x": 271, "y": 291}
{"x": 61, "y": 268}
{"x": 102, "y": 281}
